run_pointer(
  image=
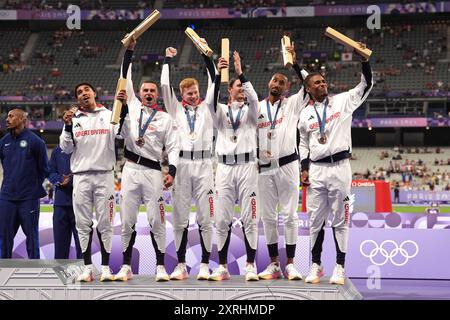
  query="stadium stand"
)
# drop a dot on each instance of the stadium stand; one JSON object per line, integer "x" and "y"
{"x": 410, "y": 61}
{"x": 416, "y": 67}
{"x": 415, "y": 168}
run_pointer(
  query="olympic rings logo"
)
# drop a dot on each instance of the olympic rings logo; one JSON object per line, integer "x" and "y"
{"x": 389, "y": 250}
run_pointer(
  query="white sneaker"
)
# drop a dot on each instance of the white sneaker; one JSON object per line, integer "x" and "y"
{"x": 338, "y": 276}
{"x": 106, "y": 274}
{"x": 180, "y": 272}
{"x": 251, "y": 273}
{"x": 291, "y": 272}
{"x": 219, "y": 274}
{"x": 315, "y": 273}
{"x": 272, "y": 271}
{"x": 87, "y": 274}
{"x": 161, "y": 274}
{"x": 124, "y": 274}
{"x": 203, "y": 272}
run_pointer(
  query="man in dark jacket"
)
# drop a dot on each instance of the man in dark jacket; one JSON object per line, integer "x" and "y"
{"x": 25, "y": 166}
{"x": 63, "y": 216}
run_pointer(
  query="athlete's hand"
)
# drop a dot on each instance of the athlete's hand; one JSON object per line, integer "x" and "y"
{"x": 362, "y": 47}
{"x": 223, "y": 63}
{"x": 65, "y": 181}
{"x": 237, "y": 63}
{"x": 305, "y": 178}
{"x": 122, "y": 96}
{"x": 168, "y": 181}
{"x": 67, "y": 117}
{"x": 171, "y": 52}
{"x": 132, "y": 43}
{"x": 291, "y": 50}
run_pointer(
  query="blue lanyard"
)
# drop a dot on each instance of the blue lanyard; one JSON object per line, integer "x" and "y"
{"x": 322, "y": 121}
{"x": 143, "y": 129}
{"x": 190, "y": 120}
{"x": 234, "y": 124}
{"x": 269, "y": 114}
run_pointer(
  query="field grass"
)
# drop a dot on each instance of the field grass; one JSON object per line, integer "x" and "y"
{"x": 418, "y": 209}
{"x": 402, "y": 209}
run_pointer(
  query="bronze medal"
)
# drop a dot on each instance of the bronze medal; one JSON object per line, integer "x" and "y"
{"x": 140, "y": 142}
{"x": 234, "y": 139}
{"x": 323, "y": 139}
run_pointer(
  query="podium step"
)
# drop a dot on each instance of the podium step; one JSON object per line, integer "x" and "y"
{"x": 54, "y": 280}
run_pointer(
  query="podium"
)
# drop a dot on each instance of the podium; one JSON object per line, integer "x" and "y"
{"x": 55, "y": 280}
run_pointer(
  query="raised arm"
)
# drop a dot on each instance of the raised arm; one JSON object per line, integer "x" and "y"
{"x": 126, "y": 71}
{"x": 210, "y": 69}
{"x": 250, "y": 93}
{"x": 66, "y": 138}
{"x": 167, "y": 91}
{"x": 357, "y": 95}
{"x": 212, "y": 95}
{"x": 301, "y": 98}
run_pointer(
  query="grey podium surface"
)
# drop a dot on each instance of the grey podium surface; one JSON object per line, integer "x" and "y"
{"x": 54, "y": 280}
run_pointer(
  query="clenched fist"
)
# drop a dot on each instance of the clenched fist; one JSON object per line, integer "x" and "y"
{"x": 171, "y": 52}
{"x": 68, "y": 115}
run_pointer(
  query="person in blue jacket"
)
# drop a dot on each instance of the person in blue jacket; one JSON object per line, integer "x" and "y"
{"x": 25, "y": 166}
{"x": 63, "y": 217}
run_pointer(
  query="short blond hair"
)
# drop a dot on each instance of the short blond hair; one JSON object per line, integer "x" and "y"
{"x": 187, "y": 83}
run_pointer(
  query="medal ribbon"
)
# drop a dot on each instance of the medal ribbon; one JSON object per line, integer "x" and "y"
{"x": 235, "y": 124}
{"x": 322, "y": 121}
{"x": 269, "y": 114}
{"x": 143, "y": 129}
{"x": 190, "y": 120}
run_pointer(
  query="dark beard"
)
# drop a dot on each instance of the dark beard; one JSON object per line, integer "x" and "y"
{"x": 275, "y": 94}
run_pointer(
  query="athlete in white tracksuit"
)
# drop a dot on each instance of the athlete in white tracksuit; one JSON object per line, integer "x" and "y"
{"x": 325, "y": 149}
{"x": 147, "y": 129}
{"x": 279, "y": 181}
{"x": 237, "y": 173}
{"x": 194, "y": 171}
{"x": 89, "y": 136}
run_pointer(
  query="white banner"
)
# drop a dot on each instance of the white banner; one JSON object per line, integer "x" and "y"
{"x": 8, "y": 15}
{"x": 300, "y": 11}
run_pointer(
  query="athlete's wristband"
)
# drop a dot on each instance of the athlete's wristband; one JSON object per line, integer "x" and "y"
{"x": 68, "y": 128}
{"x": 243, "y": 78}
{"x": 167, "y": 60}
{"x": 124, "y": 111}
{"x": 305, "y": 164}
{"x": 172, "y": 170}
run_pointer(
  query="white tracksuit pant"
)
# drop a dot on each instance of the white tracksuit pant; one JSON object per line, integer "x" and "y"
{"x": 329, "y": 192}
{"x": 237, "y": 181}
{"x": 279, "y": 187}
{"x": 194, "y": 179}
{"x": 140, "y": 183}
{"x": 94, "y": 190}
